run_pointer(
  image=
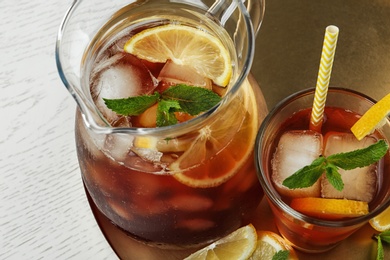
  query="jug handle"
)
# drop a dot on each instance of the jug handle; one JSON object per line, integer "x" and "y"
{"x": 255, "y": 9}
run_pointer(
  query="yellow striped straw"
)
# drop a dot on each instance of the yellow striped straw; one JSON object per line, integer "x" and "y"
{"x": 326, "y": 64}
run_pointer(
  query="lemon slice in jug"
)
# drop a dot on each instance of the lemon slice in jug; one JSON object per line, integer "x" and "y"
{"x": 184, "y": 45}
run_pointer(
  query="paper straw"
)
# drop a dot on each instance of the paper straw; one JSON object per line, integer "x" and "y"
{"x": 326, "y": 64}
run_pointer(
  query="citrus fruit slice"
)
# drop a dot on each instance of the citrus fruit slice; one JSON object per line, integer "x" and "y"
{"x": 222, "y": 146}
{"x": 382, "y": 221}
{"x": 268, "y": 244}
{"x": 184, "y": 45}
{"x": 238, "y": 245}
{"x": 374, "y": 118}
{"x": 330, "y": 208}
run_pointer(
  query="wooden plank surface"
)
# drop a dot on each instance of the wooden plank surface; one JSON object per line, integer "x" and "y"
{"x": 44, "y": 213}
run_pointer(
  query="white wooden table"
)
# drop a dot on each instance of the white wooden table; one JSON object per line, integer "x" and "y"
{"x": 44, "y": 213}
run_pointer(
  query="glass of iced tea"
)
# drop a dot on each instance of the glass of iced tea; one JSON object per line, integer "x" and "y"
{"x": 285, "y": 144}
{"x": 167, "y": 114}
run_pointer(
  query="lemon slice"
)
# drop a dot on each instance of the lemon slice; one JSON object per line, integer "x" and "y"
{"x": 374, "y": 118}
{"x": 238, "y": 245}
{"x": 222, "y": 146}
{"x": 268, "y": 244}
{"x": 382, "y": 221}
{"x": 330, "y": 208}
{"x": 184, "y": 45}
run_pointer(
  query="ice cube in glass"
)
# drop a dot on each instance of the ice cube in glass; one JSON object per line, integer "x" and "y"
{"x": 295, "y": 150}
{"x": 360, "y": 183}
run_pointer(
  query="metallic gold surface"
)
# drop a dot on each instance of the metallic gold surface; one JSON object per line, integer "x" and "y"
{"x": 289, "y": 45}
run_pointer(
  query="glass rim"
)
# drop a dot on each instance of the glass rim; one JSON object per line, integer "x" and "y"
{"x": 82, "y": 101}
{"x": 270, "y": 191}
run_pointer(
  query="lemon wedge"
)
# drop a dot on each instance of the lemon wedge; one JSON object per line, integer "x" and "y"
{"x": 221, "y": 147}
{"x": 374, "y": 118}
{"x": 330, "y": 208}
{"x": 268, "y": 244}
{"x": 238, "y": 245}
{"x": 382, "y": 221}
{"x": 184, "y": 45}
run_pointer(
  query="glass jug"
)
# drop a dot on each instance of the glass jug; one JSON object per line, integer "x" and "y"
{"x": 178, "y": 185}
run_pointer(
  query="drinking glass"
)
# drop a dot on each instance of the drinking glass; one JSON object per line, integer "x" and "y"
{"x": 307, "y": 233}
{"x": 129, "y": 172}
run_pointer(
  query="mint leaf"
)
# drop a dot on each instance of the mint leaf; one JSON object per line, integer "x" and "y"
{"x": 359, "y": 158}
{"x": 385, "y": 236}
{"x": 132, "y": 106}
{"x": 380, "y": 254}
{"x": 334, "y": 177}
{"x": 189, "y": 99}
{"x": 192, "y": 100}
{"x": 165, "y": 112}
{"x": 308, "y": 175}
{"x": 281, "y": 255}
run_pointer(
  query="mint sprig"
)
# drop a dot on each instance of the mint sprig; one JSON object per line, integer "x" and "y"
{"x": 179, "y": 98}
{"x": 385, "y": 237}
{"x": 308, "y": 175}
{"x": 281, "y": 255}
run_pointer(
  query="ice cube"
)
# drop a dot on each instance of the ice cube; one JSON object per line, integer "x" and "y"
{"x": 359, "y": 183}
{"x": 149, "y": 155}
{"x": 147, "y": 193}
{"x": 295, "y": 150}
{"x": 98, "y": 179}
{"x": 149, "y": 207}
{"x": 179, "y": 144}
{"x": 172, "y": 74}
{"x": 154, "y": 68}
{"x": 121, "y": 209}
{"x": 104, "y": 63}
{"x": 120, "y": 76}
{"x": 190, "y": 203}
{"x": 122, "y": 121}
{"x": 135, "y": 162}
{"x": 118, "y": 146}
{"x": 91, "y": 140}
